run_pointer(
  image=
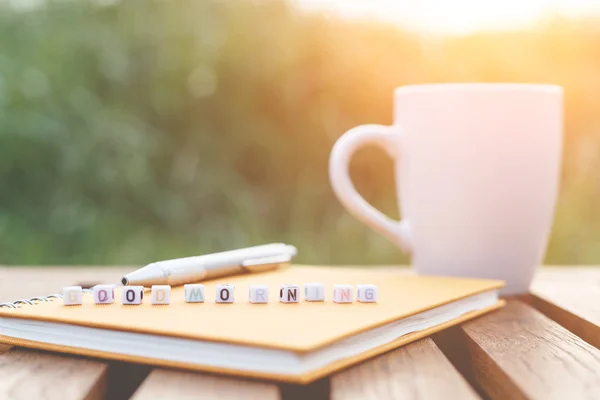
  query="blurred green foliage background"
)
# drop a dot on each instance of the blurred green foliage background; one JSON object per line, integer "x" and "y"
{"x": 132, "y": 131}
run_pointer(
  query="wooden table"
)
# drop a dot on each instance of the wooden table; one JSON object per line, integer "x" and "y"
{"x": 540, "y": 346}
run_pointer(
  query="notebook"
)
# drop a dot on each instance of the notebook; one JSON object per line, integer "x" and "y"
{"x": 297, "y": 342}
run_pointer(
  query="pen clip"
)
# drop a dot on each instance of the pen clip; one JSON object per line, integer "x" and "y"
{"x": 265, "y": 263}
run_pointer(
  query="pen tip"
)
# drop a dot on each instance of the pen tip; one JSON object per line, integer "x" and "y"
{"x": 125, "y": 281}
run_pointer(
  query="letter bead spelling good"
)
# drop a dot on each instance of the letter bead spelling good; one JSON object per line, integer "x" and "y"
{"x": 366, "y": 293}
{"x": 194, "y": 293}
{"x": 258, "y": 294}
{"x": 289, "y": 293}
{"x": 132, "y": 295}
{"x": 314, "y": 291}
{"x": 72, "y": 295}
{"x": 161, "y": 294}
{"x": 104, "y": 294}
{"x": 224, "y": 293}
{"x": 343, "y": 293}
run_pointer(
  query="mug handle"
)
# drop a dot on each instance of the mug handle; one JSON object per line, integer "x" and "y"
{"x": 385, "y": 137}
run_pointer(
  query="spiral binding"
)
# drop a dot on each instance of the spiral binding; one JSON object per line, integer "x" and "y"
{"x": 35, "y": 300}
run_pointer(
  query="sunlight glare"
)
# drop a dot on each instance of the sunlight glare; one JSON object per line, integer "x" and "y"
{"x": 455, "y": 16}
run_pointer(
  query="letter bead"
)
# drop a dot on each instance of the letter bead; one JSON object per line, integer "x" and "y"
{"x": 194, "y": 293}
{"x": 258, "y": 294}
{"x": 161, "y": 294}
{"x": 366, "y": 293}
{"x": 132, "y": 294}
{"x": 72, "y": 295}
{"x": 343, "y": 293}
{"x": 289, "y": 293}
{"x": 104, "y": 294}
{"x": 314, "y": 292}
{"x": 224, "y": 293}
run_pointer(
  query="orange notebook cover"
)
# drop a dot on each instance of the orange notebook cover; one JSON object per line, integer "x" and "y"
{"x": 296, "y": 342}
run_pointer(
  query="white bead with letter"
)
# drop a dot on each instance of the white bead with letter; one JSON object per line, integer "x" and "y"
{"x": 72, "y": 295}
{"x": 132, "y": 295}
{"x": 194, "y": 293}
{"x": 289, "y": 293}
{"x": 225, "y": 293}
{"x": 104, "y": 294}
{"x": 258, "y": 294}
{"x": 314, "y": 291}
{"x": 343, "y": 293}
{"x": 161, "y": 294}
{"x": 366, "y": 293}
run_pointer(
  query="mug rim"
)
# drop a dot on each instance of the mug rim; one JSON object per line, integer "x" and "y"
{"x": 475, "y": 86}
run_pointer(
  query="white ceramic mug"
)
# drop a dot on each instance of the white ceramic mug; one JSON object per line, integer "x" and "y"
{"x": 477, "y": 172}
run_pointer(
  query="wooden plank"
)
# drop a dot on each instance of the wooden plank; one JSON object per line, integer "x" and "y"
{"x": 415, "y": 371}
{"x": 38, "y": 375}
{"x": 518, "y": 353}
{"x": 170, "y": 384}
{"x": 571, "y": 297}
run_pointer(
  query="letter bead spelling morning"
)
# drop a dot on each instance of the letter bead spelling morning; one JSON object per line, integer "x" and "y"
{"x": 366, "y": 293}
{"x": 224, "y": 293}
{"x": 132, "y": 295}
{"x": 289, "y": 293}
{"x": 258, "y": 294}
{"x": 343, "y": 293}
{"x": 72, "y": 296}
{"x": 314, "y": 291}
{"x": 161, "y": 294}
{"x": 194, "y": 293}
{"x": 104, "y": 294}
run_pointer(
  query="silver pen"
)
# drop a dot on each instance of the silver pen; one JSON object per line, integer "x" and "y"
{"x": 194, "y": 269}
